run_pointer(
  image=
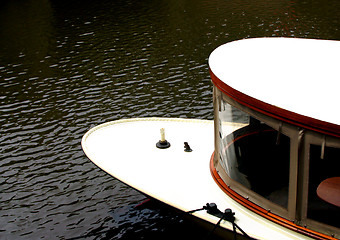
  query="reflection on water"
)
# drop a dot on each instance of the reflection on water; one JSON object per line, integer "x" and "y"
{"x": 66, "y": 66}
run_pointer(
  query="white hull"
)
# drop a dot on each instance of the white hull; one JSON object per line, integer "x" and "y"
{"x": 126, "y": 149}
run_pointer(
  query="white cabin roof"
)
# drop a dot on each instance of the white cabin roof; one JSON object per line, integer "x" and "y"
{"x": 298, "y": 75}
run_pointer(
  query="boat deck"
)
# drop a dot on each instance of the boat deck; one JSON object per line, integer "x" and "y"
{"x": 126, "y": 149}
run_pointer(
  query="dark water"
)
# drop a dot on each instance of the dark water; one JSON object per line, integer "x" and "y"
{"x": 66, "y": 66}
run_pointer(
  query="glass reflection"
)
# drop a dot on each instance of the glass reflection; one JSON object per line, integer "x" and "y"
{"x": 254, "y": 154}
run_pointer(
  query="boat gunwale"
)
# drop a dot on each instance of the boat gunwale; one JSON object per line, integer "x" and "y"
{"x": 130, "y": 120}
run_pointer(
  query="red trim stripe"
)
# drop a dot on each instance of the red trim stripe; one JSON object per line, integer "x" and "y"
{"x": 276, "y": 112}
{"x": 261, "y": 211}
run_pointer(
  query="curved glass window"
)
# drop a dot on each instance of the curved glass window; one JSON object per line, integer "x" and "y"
{"x": 292, "y": 171}
{"x": 254, "y": 154}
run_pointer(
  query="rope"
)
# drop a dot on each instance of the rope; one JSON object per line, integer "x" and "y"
{"x": 227, "y": 215}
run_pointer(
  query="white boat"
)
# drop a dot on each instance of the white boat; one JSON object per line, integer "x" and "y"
{"x": 270, "y": 160}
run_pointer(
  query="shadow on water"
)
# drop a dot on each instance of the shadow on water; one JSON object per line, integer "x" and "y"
{"x": 156, "y": 222}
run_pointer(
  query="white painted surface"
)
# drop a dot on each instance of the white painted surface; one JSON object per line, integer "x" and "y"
{"x": 299, "y": 75}
{"x": 126, "y": 149}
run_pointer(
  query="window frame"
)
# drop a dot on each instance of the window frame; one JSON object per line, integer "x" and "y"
{"x": 286, "y": 129}
{"x": 313, "y": 138}
{"x": 300, "y": 141}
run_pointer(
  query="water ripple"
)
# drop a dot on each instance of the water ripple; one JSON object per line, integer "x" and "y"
{"x": 76, "y": 65}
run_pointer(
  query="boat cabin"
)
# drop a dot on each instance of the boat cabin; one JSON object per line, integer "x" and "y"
{"x": 277, "y": 130}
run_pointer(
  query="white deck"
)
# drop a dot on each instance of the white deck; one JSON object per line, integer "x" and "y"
{"x": 126, "y": 149}
{"x": 298, "y": 75}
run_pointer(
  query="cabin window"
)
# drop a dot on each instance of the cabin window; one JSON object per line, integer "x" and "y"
{"x": 254, "y": 154}
{"x": 324, "y": 176}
